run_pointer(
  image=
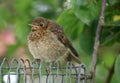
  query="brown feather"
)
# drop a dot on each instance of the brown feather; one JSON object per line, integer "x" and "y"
{"x": 58, "y": 30}
{"x": 47, "y": 41}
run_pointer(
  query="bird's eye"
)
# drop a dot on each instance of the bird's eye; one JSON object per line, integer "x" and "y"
{"x": 42, "y": 24}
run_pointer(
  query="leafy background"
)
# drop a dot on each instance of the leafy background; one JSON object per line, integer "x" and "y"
{"x": 79, "y": 18}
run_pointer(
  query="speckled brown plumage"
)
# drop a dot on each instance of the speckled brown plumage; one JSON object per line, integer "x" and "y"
{"x": 48, "y": 42}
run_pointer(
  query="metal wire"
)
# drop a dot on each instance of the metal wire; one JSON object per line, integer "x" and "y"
{"x": 24, "y": 71}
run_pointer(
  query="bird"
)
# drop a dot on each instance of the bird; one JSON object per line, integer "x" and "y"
{"x": 47, "y": 42}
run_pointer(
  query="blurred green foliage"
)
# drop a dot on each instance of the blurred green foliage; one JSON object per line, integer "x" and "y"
{"x": 79, "y": 23}
{"x": 117, "y": 68}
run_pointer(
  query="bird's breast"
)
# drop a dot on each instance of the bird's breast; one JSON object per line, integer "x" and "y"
{"x": 49, "y": 48}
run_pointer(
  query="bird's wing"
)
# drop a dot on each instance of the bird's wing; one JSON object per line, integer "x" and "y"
{"x": 58, "y": 30}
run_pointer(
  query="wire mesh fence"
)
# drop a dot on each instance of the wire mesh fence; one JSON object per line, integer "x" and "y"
{"x": 24, "y": 71}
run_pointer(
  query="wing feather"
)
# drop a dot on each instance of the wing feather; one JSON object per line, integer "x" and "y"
{"x": 58, "y": 30}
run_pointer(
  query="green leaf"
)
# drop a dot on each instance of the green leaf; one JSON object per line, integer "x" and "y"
{"x": 108, "y": 58}
{"x": 112, "y": 2}
{"x": 86, "y": 43}
{"x": 117, "y": 68}
{"x": 71, "y": 24}
{"x": 110, "y": 35}
{"x": 86, "y": 11}
{"x": 87, "y": 38}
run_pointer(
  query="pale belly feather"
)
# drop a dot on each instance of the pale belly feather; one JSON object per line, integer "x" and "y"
{"x": 49, "y": 50}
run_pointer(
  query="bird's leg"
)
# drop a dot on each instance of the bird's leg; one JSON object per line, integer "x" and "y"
{"x": 48, "y": 68}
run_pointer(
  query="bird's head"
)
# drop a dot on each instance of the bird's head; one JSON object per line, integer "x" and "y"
{"x": 39, "y": 23}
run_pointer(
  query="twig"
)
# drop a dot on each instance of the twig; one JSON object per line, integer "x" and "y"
{"x": 110, "y": 74}
{"x": 97, "y": 40}
{"x": 111, "y": 70}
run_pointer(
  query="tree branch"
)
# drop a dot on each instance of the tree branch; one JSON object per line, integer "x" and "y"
{"x": 110, "y": 74}
{"x": 111, "y": 70}
{"x": 97, "y": 41}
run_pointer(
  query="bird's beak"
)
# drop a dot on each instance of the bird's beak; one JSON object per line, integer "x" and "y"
{"x": 32, "y": 25}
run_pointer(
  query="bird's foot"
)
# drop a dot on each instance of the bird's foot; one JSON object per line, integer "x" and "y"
{"x": 47, "y": 70}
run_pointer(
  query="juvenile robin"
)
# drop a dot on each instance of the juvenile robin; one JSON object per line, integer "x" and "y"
{"x": 47, "y": 42}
